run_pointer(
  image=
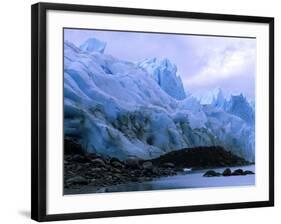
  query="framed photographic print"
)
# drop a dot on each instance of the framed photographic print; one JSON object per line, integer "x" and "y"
{"x": 139, "y": 111}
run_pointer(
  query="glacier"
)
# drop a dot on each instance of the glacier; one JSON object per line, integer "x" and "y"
{"x": 241, "y": 107}
{"x": 128, "y": 109}
{"x": 214, "y": 97}
{"x": 237, "y": 105}
{"x": 93, "y": 45}
{"x": 165, "y": 74}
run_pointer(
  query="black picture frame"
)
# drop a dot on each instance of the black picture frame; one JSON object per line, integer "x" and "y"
{"x": 39, "y": 98}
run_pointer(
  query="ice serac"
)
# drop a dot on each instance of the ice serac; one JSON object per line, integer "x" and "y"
{"x": 219, "y": 100}
{"x": 93, "y": 45}
{"x": 122, "y": 109}
{"x": 240, "y": 106}
{"x": 232, "y": 132}
{"x": 214, "y": 97}
{"x": 165, "y": 74}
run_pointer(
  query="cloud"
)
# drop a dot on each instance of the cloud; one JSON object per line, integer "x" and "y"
{"x": 223, "y": 60}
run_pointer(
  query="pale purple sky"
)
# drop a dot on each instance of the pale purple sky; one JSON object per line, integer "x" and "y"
{"x": 204, "y": 62}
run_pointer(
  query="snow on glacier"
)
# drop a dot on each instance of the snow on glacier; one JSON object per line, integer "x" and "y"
{"x": 125, "y": 109}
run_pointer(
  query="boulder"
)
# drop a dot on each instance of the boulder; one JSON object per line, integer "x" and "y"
{"x": 226, "y": 172}
{"x": 96, "y": 169}
{"x": 117, "y": 164}
{"x": 98, "y": 162}
{"x": 79, "y": 180}
{"x": 147, "y": 165}
{"x": 132, "y": 164}
{"x": 238, "y": 172}
{"x": 115, "y": 170}
{"x": 211, "y": 173}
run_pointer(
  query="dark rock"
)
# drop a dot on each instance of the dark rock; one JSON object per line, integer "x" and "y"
{"x": 115, "y": 170}
{"x": 147, "y": 165}
{"x": 87, "y": 164}
{"x": 247, "y": 172}
{"x": 117, "y": 164}
{"x": 137, "y": 173}
{"x": 106, "y": 167}
{"x": 113, "y": 159}
{"x": 93, "y": 182}
{"x": 238, "y": 172}
{"x": 91, "y": 155}
{"x": 77, "y": 180}
{"x": 98, "y": 162}
{"x": 201, "y": 157}
{"x": 71, "y": 146}
{"x": 169, "y": 165}
{"x": 147, "y": 172}
{"x": 70, "y": 172}
{"x": 156, "y": 171}
{"x": 78, "y": 167}
{"x": 78, "y": 158}
{"x": 97, "y": 169}
{"x": 132, "y": 164}
{"x": 226, "y": 172}
{"x": 109, "y": 177}
{"x": 211, "y": 173}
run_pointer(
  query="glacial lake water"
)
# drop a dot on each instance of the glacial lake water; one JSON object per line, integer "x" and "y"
{"x": 191, "y": 179}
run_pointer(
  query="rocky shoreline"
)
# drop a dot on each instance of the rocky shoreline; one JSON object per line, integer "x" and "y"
{"x": 227, "y": 172}
{"x": 97, "y": 171}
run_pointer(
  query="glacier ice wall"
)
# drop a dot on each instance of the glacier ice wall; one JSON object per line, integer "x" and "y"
{"x": 123, "y": 109}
